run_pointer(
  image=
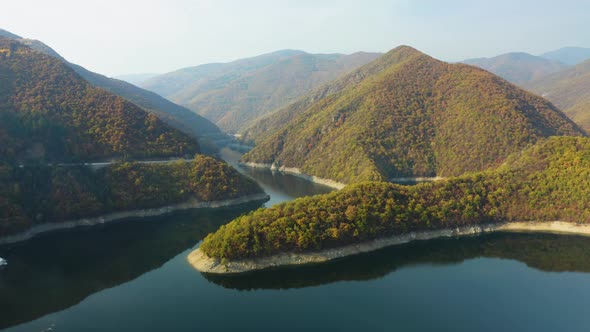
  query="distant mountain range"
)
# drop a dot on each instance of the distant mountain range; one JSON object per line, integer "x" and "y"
{"x": 521, "y": 68}
{"x": 235, "y": 94}
{"x": 169, "y": 112}
{"x": 561, "y": 76}
{"x": 518, "y": 68}
{"x": 569, "y": 55}
{"x": 569, "y": 90}
{"x": 405, "y": 115}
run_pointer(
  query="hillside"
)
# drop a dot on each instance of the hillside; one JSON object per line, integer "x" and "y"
{"x": 569, "y": 90}
{"x": 518, "y": 68}
{"x": 175, "y": 115}
{"x": 43, "y": 194}
{"x": 405, "y": 115}
{"x": 234, "y": 94}
{"x": 49, "y": 113}
{"x": 549, "y": 181}
{"x": 568, "y": 55}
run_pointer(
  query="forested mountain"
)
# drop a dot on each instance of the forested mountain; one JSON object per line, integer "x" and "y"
{"x": 547, "y": 182}
{"x": 42, "y": 194}
{"x": 173, "y": 114}
{"x": 518, "y": 68}
{"x": 237, "y": 93}
{"x": 407, "y": 114}
{"x": 569, "y": 55}
{"x": 569, "y": 90}
{"x": 49, "y": 113}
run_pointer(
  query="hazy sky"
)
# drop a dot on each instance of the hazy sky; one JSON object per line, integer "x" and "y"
{"x": 134, "y": 36}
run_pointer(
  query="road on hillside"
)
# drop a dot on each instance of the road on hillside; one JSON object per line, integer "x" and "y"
{"x": 99, "y": 165}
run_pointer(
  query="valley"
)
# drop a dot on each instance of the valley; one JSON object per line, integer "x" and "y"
{"x": 294, "y": 166}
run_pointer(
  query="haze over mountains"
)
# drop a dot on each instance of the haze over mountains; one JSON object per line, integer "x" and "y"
{"x": 561, "y": 76}
{"x": 518, "y": 68}
{"x": 569, "y": 90}
{"x": 169, "y": 112}
{"x": 234, "y": 94}
{"x": 568, "y": 55}
{"x": 521, "y": 68}
{"x": 404, "y": 115}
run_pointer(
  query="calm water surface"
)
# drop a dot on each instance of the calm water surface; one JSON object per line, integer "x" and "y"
{"x": 133, "y": 276}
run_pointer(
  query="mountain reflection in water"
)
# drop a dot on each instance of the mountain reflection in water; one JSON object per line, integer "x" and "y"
{"x": 55, "y": 271}
{"x": 113, "y": 277}
{"x": 546, "y": 252}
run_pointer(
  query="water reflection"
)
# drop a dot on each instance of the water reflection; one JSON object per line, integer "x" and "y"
{"x": 56, "y": 271}
{"x": 279, "y": 186}
{"x": 546, "y": 252}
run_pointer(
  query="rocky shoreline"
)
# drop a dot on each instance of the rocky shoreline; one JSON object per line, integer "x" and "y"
{"x": 297, "y": 172}
{"x": 200, "y": 261}
{"x": 115, "y": 216}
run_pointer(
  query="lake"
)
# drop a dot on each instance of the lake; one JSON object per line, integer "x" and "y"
{"x": 133, "y": 276}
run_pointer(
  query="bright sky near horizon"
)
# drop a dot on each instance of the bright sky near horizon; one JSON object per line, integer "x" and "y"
{"x": 116, "y": 37}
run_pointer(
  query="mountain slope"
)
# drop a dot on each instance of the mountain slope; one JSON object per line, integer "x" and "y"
{"x": 265, "y": 127}
{"x": 569, "y": 55}
{"x": 407, "y": 114}
{"x": 518, "y": 68}
{"x": 48, "y": 112}
{"x": 175, "y": 115}
{"x": 569, "y": 90}
{"x": 237, "y": 93}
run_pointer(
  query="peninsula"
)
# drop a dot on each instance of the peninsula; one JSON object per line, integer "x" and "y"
{"x": 547, "y": 182}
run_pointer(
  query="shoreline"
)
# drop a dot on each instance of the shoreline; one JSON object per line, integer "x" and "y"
{"x": 331, "y": 183}
{"x": 129, "y": 214}
{"x": 205, "y": 264}
{"x": 417, "y": 179}
{"x": 297, "y": 172}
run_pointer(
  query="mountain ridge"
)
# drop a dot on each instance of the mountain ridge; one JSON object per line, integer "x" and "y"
{"x": 518, "y": 67}
{"x": 569, "y": 55}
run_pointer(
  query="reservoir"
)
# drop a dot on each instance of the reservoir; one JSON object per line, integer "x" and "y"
{"x": 133, "y": 276}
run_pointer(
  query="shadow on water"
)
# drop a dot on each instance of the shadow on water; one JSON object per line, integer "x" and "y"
{"x": 546, "y": 252}
{"x": 56, "y": 271}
